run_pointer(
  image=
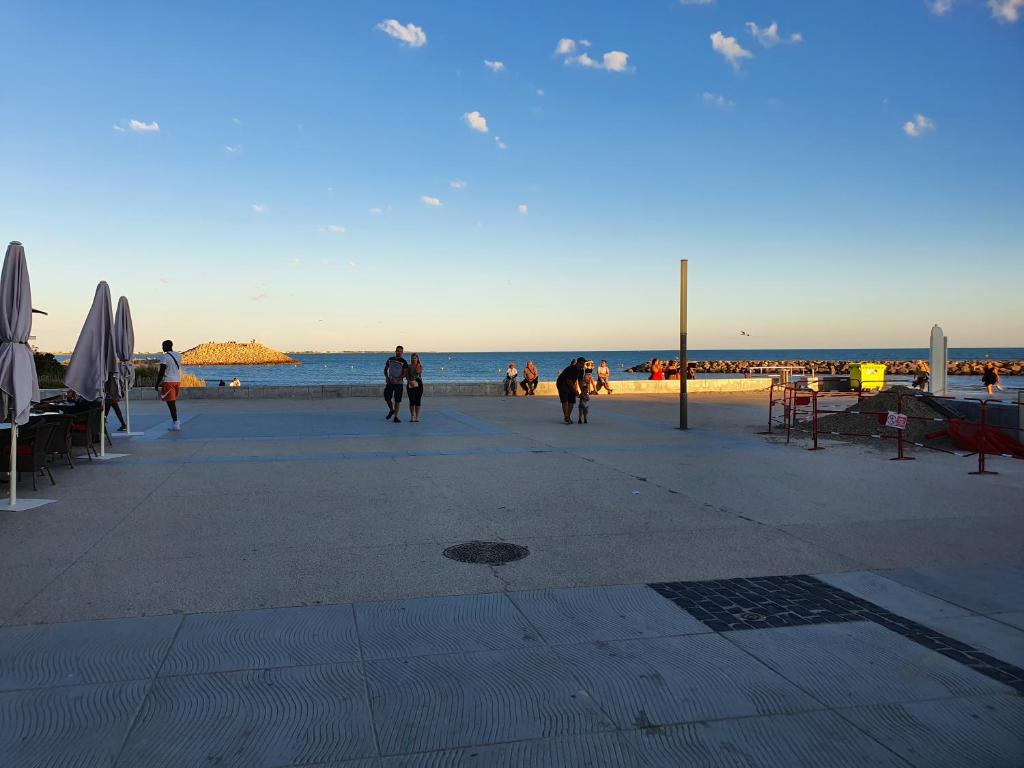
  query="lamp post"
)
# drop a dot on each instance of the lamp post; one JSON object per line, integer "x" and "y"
{"x": 682, "y": 345}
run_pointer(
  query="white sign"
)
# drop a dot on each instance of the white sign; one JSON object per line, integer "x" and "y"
{"x": 896, "y": 420}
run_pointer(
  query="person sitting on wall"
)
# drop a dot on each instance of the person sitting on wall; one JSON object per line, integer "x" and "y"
{"x": 235, "y": 382}
{"x": 691, "y": 371}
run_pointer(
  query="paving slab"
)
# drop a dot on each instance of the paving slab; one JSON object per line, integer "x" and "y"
{"x": 599, "y": 750}
{"x": 424, "y": 626}
{"x": 581, "y": 614}
{"x": 253, "y": 719}
{"x": 985, "y": 634}
{"x": 809, "y": 739}
{"x": 981, "y": 588}
{"x": 953, "y": 733}
{"x": 861, "y": 663}
{"x": 42, "y": 656}
{"x": 893, "y": 596}
{"x": 274, "y": 637}
{"x": 469, "y": 699}
{"x": 76, "y": 726}
{"x": 658, "y": 681}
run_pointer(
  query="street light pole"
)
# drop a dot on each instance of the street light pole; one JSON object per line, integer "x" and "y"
{"x": 682, "y": 345}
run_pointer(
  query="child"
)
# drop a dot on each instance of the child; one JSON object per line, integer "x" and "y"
{"x": 584, "y": 406}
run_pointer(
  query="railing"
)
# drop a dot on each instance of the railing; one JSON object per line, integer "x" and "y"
{"x": 802, "y": 410}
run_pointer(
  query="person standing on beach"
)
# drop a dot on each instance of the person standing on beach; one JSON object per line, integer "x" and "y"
{"x": 396, "y": 370}
{"x": 922, "y": 374}
{"x": 511, "y": 374}
{"x": 603, "y": 374}
{"x": 990, "y": 377}
{"x": 168, "y": 381}
{"x": 569, "y": 384}
{"x": 656, "y": 372}
{"x": 415, "y": 387}
{"x": 530, "y": 378}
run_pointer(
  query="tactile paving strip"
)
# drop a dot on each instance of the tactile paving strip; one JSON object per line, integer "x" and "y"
{"x": 794, "y": 601}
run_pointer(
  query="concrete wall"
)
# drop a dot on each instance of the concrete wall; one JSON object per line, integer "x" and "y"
{"x": 489, "y": 389}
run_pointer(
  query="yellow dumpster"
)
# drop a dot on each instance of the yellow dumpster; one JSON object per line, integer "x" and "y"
{"x": 867, "y": 375}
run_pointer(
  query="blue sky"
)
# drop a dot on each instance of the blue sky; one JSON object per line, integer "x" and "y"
{"x": 811, "y": 213}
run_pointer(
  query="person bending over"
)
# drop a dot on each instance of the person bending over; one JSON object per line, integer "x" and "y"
{"x": 569, "y": 384}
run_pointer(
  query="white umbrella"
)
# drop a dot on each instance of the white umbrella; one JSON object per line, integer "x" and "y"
{"x": 93, "y": 361}
{"x": 18, "y": 379}
{"x": 124, "y": 350}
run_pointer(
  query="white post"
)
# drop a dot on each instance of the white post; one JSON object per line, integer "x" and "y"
{"x": 13, "y": 479}
{"x": 103, "y": 424}
{"x": 127, "y": 410}
{"x": 938, "y": 361}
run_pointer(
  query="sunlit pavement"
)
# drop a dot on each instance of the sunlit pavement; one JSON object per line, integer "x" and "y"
{"x": 267, "y": 587}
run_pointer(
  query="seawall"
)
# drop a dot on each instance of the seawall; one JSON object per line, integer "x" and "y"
{"x": 486, "y": 389}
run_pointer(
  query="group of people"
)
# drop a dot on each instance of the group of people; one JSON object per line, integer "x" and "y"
{"x": 399, "y": 376}
{"x": 531, "y": 378}
{"x": 989, "y": 376}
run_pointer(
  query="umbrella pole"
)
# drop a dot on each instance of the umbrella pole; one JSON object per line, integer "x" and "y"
{"x": 103, "y": 425}
{"x": 128, "y": 409}
{"x": 13, "y": 466}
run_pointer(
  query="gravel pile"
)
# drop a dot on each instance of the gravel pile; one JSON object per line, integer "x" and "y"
{"x": 855, "y": 420}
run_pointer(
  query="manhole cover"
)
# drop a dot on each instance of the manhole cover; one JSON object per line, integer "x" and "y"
{"x": 486, "y": 552}
{"x": 750, "y": 616}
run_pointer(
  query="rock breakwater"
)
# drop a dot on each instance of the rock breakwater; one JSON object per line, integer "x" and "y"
{"x": 895, "y": 367}
{"x": 235, "y": 353}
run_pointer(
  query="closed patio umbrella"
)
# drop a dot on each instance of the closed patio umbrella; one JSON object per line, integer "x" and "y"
{"x": 124, "y": 351}
{"x": 93, "y": 361}
{"x": 18, "y": 379}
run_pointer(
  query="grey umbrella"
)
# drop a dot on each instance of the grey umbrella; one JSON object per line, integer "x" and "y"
{"x": 93, "y": 361}
{"x": 124, "y": 350}
{"x": 18, "y": 379}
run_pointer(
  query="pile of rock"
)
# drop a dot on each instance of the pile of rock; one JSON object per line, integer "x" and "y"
{"x": 894, "y": 367}
{"x": 234, "y": 353}
{"x": 862, "y": 420}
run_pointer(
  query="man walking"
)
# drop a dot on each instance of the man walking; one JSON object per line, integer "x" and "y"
{"x": 569, "y": 384}
{"x": 168, "y": 381}
{"x": 603, "y": 374}
{"x": 395, "y": 372}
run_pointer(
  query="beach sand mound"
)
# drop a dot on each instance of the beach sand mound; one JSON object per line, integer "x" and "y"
{"x": 234, "y": 353}
{"x": 861, "y": 420}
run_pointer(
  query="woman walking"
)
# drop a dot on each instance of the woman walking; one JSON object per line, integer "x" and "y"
{"x": 415, "y": 387}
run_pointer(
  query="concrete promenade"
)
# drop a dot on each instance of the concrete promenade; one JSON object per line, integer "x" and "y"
{"x": 268, "y": 587}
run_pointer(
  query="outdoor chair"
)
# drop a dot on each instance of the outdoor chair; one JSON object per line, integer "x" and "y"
{"x": 59, "y": 443}
{"x": 85, "y": 430}
{"x": 31, "y": 452}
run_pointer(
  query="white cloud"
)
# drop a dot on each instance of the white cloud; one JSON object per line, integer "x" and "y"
{"x": 769, "y": 36}
{"x": 233, "y": 148}
{"x": 919, "y": 125}
{"x": 457, "y": 184}
{"x": 494, "y": 66}
{"x": 259, "y": 208}
{"x": 141, "y": 127}
{"x": 940, "y": 7}
{"x": 717, "y": 99}
{"x": 236, "y": 121}
{"x": 501, "y": 144}
{"x": 377, "y": 211}
{"x": 613, "y": 61}
{"x": 565, "y": 46}
{"x": 428, "y": 200}
{"x": 336, "y": 229}
{"x": 1007, "y": 11}
{"x": 585, "y": 43}
{"x": 409, "y": 34}
{"x": 259, "y": 297}
{"x": 476, "y": 121}
{"x": 697, "y": 2}
{"x": 733, "y": 52}
{"x": 521, "y": 209}
{"x": 165, "y": 280}
{"x": 118, "y": 128}
{"x": 540, "y": 91}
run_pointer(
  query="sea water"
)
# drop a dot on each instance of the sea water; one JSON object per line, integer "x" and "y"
{"x": 450, "y": 367}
